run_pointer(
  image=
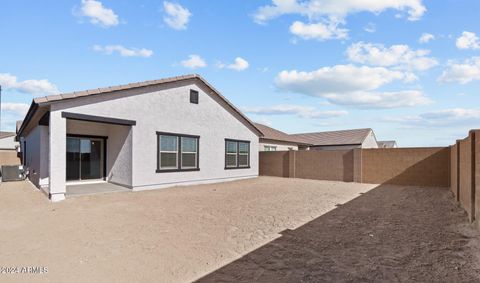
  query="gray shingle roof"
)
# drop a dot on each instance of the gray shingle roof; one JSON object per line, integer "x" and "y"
{"x": 274, "y": 134}
{"x": 343, "y": 137}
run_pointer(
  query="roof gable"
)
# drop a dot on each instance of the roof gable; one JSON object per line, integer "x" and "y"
{"x": 343, "y": 137}
{"x": 47, "y": 100}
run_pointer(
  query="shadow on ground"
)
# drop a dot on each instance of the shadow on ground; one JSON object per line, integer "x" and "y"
{"x": 392, "y": 233}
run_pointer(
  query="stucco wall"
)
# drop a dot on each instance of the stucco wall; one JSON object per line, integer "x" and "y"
{"x": 370, "y": 141}
{"x": 32, "y": 157}
{"x": 336, "y": 147}
{"x": 167, "y": 109}
{"x": 280, "y": 146}
{"x": 407, "y": 166}
{"x": 8, "y": 143}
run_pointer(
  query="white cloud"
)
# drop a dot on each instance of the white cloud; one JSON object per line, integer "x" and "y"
{"x": 123, "y": 51}
{"x": 240, "y": 64}
{"x": 194, "y": 62}
{"x": 337, "y": 9}
{"x": 399, "y": 56}
{"x": 19, "y": 109}
{"x": 9, "y": 81}
{"x": 468, "y": 40}
{"x": 177, "y": 17}
{"x": 318, "y": 31}
{"x": 370, "y": 27}
{"x": 326, "y": 16}
{"x": 440, "y": 118}
{"x": 374, "y": 99}
{"x": 426, "y": 37}
{"x": 462, "y": 73}
{"x": 351, "y": 85}
{"x": 298, "y": 110}
{"x": 98, "y": 14}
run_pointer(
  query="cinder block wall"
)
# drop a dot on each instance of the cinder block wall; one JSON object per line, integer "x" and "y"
{"x": 407, "y": 166}
{"x": 465, "y": 175}
{"x": 9, "y": 157}
{"x": 334, "y": 165}
{"x": 454, "y": 170}
{"x": 274, "y": 163}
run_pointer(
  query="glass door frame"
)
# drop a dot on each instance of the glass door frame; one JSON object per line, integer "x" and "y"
{"x": 104, "y": 165}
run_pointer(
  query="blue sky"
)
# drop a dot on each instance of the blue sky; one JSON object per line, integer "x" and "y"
{"x": 409, "y": 69}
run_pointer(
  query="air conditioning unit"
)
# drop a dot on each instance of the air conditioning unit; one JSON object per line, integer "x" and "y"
{"x": 12, "y": 173}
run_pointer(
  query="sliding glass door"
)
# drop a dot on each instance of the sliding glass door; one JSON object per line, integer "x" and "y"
{"x": 85, "y": 158}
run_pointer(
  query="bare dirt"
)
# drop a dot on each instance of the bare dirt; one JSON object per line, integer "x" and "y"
{"x": 264, "y": 229}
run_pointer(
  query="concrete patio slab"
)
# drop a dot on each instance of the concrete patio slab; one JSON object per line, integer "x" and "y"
{"x": 91, "y": 189}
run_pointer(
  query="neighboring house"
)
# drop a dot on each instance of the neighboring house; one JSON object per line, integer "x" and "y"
{"x": 387, "y": 144}
{"x": 7, "y": 141}
{"x": 345, "y": 139}
{"x": 147, "y": 135}
{"x": 275, "y": 140}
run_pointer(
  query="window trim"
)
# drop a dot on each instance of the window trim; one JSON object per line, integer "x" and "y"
{"x": 179, "y": 153}
{"x": 237, "y": 155}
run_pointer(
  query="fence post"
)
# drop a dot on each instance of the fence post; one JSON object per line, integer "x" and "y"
{"x": 357, "y": 165}
{"x": 458, "y": 171}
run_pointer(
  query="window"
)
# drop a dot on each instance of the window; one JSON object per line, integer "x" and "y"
{"x": 193, "y": 96}
{"x": 269, "y": 148}
{"x": 177, "y": 152}
{"x": 237, "y": 154}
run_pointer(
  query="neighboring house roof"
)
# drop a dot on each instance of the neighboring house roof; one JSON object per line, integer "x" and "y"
{"x": 276, "y": 135}
{"x": 6, "y": 134}
{"x": 387, "y": 144}
{"x": 46, "y": 100}
{"x": 344, "y": 137}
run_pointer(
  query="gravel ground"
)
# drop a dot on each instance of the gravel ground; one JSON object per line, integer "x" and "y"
{"x": 263, "y": 229}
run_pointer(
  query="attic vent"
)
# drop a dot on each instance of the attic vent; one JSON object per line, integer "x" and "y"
{"x": 193, "y": 96}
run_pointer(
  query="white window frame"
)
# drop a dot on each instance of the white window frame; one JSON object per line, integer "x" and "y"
{"x": 231, "y": 153}
{"x": 195, "y": 152}
{"x": 160, "y": 151}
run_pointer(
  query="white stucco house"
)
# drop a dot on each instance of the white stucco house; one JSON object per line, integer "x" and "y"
{"x": 343, "y": 139}
{"x": 7, "y": 141}
{"x": 275, "y": 140}
{"x": 147, "y": 135}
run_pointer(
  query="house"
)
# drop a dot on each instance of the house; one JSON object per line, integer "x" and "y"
{"x": 275, "y": 140}
{"x": 344, "y": 139}
{"x": 7, "y": 141}
{"x": 152, "y": 134}
{"x": 387, "y": 144}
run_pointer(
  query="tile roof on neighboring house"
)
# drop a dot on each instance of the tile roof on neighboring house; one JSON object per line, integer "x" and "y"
{"x": 6, "y": 134}
{"x": 387, "y": 144}
{"x": 45, "y": 100}
{"x": 273, "y": 134}
{"x": 343, "y": 137}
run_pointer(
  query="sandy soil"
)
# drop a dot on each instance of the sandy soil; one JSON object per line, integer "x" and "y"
{"x": 264, "y": 229}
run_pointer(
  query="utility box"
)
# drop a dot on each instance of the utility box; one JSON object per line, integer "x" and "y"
{"x": 12, "y": 173}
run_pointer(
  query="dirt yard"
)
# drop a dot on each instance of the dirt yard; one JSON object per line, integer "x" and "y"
{"x": 264, "y": 229}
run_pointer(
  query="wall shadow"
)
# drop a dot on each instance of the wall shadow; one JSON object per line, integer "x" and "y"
{"x": 389, "y": 234}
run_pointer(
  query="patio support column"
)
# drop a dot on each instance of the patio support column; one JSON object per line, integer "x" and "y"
{"x": 57, "y": 153}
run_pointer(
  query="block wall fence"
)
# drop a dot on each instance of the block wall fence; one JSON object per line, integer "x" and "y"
{"x": 399, "y": 166}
